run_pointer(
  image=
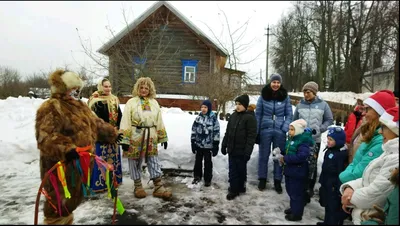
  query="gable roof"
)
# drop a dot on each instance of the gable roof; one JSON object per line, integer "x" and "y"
{"x": 149, "y": 12}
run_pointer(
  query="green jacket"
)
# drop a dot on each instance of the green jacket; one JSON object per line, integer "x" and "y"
{"x": 391, "y": 210}
{"x": 293, "y": 143}
{"x": 365, "y": 153}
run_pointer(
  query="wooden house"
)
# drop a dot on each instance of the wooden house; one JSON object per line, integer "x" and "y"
{"x": 164, "y": 45}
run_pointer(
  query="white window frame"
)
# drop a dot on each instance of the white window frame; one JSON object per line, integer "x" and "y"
{"x": 191, "y": 75}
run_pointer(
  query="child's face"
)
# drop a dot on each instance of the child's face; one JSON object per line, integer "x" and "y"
{"x": 239, "y": 107}
{"x": 204, "y": 109}
{"x": 331, "y": 142}
{"x": 291, "y": 131}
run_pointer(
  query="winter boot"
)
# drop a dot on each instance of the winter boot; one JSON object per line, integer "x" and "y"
{"x": 277, "y": 186}
{"x": 207, "y": 183}
{"x": 139, "y": 191}
{"x": 262, "y": 184}
{"x": 231, "y": 195}
{"x": 68, "y": 220}
{"x": 196, "y": 180}
{"x": 291, "y": 217}
{"x": 288, "y": 211}
{"x": 159, "y": 189}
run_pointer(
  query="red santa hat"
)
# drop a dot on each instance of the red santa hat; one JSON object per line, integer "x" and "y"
{"x": 381, "y": 101}
{"x": 390, "y": 118}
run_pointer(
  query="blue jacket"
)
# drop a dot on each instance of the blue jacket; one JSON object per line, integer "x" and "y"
{"x": 332, "y": 166}
{"x": 317, "y": 114}
{"x": 297, "y": 150}
{"x": 205, "y": 130}
{"x": 273, "y": 110}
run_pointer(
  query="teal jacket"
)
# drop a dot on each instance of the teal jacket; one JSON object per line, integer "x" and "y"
{"x": 365, "y": 153}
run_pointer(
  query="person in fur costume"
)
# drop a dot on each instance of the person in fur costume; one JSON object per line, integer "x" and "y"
{"x": 63, "y": 124}
{"x": 143, "y": 130}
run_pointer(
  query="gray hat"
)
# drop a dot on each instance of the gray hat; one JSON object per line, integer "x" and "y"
{"x": 312, "y": 86}
{"x": 275, "y": 77}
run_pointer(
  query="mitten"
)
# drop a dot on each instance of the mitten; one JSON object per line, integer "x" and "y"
{"x": 276, "y": 151}
{"x": 165, "y": 144}
{"x": 223, "y": 150}
{"x": 215, "y": 149}
{"x": 71, "y": 155}
{"x": 119, "y": 138}
{"x": 194, "y": 147}
{"x": 125, "y": 147}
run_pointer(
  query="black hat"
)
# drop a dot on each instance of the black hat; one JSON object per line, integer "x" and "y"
{"x": 244, "y": 100}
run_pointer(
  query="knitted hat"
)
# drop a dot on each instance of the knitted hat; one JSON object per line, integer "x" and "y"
{"x": 61, "y": 81}
{"x": 251, "y": 107}
{"x": 244, "y": 100}
{"x": 208, "y": 104}
{"x": 275, "y": 77}
{"x": 390, "y": 118}
{"x": 338, "y": 134}
{"x": 381, "y": 101}
{"x": 312, "y": 86}
{"x": 299, "y": 126}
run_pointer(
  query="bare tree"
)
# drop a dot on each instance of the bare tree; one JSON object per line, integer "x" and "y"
{"x": 10, "y": 83}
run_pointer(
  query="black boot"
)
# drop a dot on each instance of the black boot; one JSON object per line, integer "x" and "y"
{"x": 277, "y": 186}
{"x": 196, "y": 180}
{"x": 231, "y": 195}
{"x": 262, "y": 184}
{"x": 207, "y": 183}
{"x": 288, "y": 211}
{"x": 291, "y": 217}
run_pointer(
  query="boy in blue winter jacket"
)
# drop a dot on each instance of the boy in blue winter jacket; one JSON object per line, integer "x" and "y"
{"x": 334, "y": 163}
{"x": 295, "y": 167}
{"x": 205, "y": 142}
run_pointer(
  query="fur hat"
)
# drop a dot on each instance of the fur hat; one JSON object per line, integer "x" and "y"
{"x": 338, "y": 134}
{"x": 299, "y": 126}
{"x": 381, "y": 101}
{"x": 251, "y": 107}
{"x": 275, "y": 77}
{"x": 60, "y": 81}
{"x": 208, "y": 104}
{"x": 244, "y": 100}
{"x": 390, "y": 118}
{"x": 312, "y": 86}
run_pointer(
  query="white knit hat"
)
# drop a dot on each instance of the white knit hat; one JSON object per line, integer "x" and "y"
{"x": 299, "y": 126}
{"x": 390, "y": 118}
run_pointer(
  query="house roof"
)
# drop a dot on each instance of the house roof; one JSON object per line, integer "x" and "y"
{"x": 233, "y": 71}
{"x": 149, "y": 12}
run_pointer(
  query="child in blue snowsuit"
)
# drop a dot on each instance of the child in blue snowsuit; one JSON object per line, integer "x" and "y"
{"x": 205, "y": 142}
{"x": 238, "y": 142}
{"x": 295, "y": 167}
{"x": 334, "y": 163}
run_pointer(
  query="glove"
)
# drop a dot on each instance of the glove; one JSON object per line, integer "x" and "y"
{"x": 194, "y": 147}
{"x": 71, "y": 155}
{"x": 247, "y": 158}
{"x": 165, "y": 144}
{"x": 258, "y": 138}
{"x": 223, "y": 150}
{"x": 125, "y": 147}
{"x": 119, "y": 138}
{"x": 215, "y": 149}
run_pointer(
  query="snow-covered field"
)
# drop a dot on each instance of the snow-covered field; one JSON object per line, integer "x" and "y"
{"x": 20, "y": 179}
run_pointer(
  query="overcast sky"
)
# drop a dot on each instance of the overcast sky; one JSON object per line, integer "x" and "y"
{"x": 41, "y": 36}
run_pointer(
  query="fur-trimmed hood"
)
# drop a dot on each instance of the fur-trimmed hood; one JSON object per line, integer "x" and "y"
{"x": 60, "y": 81}
{"x": 268, "y": 94}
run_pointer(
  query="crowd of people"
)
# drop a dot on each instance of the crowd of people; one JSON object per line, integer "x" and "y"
{"x": 359, "y": 177}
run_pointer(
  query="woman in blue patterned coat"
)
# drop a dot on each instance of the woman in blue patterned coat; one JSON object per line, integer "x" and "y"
{"x": 205, "y": 142}
{"x": 274, "y": 114}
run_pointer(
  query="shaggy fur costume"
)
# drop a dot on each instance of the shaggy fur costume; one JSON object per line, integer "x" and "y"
{"x": 61, "y": 125}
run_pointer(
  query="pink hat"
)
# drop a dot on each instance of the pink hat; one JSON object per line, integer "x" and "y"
{"x": 390, "y": 118}
{"x": 381, "y": 101}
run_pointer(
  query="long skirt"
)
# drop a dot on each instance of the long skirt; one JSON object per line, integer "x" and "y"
{"x": 111, "y": 154}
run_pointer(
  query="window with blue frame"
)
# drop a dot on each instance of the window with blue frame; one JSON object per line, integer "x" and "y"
{"x": 189, "y": 71}
{"x": 138, "y": 67}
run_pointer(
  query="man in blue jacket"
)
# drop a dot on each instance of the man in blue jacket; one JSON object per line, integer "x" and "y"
{"x": 318, "y": 115}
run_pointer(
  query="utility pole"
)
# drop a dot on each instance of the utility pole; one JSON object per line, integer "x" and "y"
{"x": 267, "y": 50}
{"x": 260, "y": 76}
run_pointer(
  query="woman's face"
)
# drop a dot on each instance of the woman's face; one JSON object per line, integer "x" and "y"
{"x": 386, "y": 133}
{"x": 275, "y": 85}
{"x": 370, "y": 114}
{"x": 144, "y": 90}
{"x": 107, "y": 88}
{"x": 308, "y": 95}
